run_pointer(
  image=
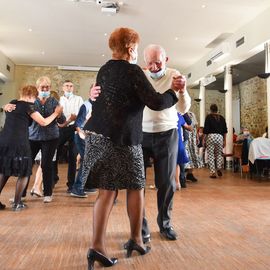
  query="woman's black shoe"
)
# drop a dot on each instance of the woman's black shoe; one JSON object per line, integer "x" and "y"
{"x": 18, "y": 207}
{"x": 95, "y": 256}
{"x": 132, "y": 245}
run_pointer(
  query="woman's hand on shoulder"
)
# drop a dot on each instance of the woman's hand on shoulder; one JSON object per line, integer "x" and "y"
{"x": 9, "y": 107}
{"x": 94, "y": 92}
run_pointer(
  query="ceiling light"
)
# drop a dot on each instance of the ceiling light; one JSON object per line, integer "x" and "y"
{"x": 176, "y": 38}
{"x": 203, "y": 6}
{"x": 30, "y": 30}
{"x": 42, "y": 52}
{"x": 103, "y": 55}
{"x": 105, "y": 34}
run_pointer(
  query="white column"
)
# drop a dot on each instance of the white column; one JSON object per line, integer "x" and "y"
{"x": 267, "y": 70}
{"x": 268, "y": 104}
{"x": 202, "y": 104}
{"x": 228, "y": 114}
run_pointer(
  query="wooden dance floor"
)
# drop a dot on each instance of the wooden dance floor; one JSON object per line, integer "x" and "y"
{"x": 223, "y": 224}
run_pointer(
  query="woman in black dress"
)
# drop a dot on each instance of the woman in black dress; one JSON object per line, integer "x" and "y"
{"x": 113, "y": 152}
{"x": 15, "y": 152}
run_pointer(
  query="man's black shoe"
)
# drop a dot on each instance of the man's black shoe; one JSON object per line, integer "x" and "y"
{"x": 169, "y": 233}
{"x": 191, "y": 177}
{"x": 146, "y": 238}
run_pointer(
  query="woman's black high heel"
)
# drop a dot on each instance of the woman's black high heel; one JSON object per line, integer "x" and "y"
{"x": 95, "y": 256}
{"x": 132, "y": 245}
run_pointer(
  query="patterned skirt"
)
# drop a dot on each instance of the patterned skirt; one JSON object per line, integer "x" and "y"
{"x": 112, "y": 166}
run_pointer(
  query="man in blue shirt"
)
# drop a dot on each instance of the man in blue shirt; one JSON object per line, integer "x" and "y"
{"x": 83, "y": 115}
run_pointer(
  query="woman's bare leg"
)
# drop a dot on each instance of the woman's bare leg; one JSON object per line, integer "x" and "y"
{"x": 135, "y": 203}
{"x": 102, "y": 210}
{"x": 37, "y": 187}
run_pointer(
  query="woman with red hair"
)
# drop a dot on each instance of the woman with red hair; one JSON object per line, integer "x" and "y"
{"x": 15, "y": 152}
{"x": 113, "y": 151}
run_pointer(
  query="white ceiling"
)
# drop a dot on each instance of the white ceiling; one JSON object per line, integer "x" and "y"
{"x": 73, "y": 33}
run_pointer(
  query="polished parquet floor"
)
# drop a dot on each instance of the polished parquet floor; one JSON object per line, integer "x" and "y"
{"x": 223, "y": 224}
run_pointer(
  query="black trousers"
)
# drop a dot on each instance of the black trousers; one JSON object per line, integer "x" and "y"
{"x": 162, "y": 147}
{"x": 47, "y": 152}
{"x": 66, "y": 135}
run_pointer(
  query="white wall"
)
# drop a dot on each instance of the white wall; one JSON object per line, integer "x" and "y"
{"x": 256, "y": 33}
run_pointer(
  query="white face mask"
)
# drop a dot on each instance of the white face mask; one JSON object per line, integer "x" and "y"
{"x": 134, "y": 59}
{"x": 44, "y": 94}
{"x": 158, "y": 75}
{"x": 68, "y": 94}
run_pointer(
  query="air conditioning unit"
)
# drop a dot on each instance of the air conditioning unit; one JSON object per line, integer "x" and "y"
{"x": 6, "y": 68}
{"x": 3, "y": 78}
{"x": 209, "y": 79}
{"x": 219, "y": 52}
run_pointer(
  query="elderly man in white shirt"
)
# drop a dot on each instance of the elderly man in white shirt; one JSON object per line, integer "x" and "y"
{"x": 71, "y": 104}
{"x": 160, "y": 137}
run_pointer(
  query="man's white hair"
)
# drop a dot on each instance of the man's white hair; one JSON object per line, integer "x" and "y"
{"x": 154, "y": 47}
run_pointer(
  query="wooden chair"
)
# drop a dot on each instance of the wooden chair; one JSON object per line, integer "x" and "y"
{"x": 237, "y": 157}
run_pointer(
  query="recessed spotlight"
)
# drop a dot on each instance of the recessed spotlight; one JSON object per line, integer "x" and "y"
{"x": 121, "y": 3}
{"x": 103, "y": 55}
{"x": 42, "y": 52}
{"x": 30, "y": 30}
{"x": 203, "y": 6}
{"x": 105, "y": 34}
{"x": 176, "y": 38}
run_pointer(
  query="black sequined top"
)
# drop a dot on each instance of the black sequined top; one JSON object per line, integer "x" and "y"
{"x": 117, "y": 113}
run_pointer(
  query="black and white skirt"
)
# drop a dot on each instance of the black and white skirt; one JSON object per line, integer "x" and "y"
{"x": 112, "y": 166}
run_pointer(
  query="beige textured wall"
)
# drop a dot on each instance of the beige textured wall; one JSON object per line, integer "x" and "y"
{"x": 29, "y": 74}
{"x": 253, "y": 100}
{"x": 253, "y": 105}
{"x": 212, "y": 96}
{"x": 252, "y": 93}
{"x": 81, "y": 79}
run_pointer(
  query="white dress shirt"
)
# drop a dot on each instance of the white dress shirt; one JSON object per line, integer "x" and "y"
{"x": 71, "y": 105}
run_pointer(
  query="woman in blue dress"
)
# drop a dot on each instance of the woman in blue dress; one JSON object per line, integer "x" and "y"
{"x": 182, "y": 158}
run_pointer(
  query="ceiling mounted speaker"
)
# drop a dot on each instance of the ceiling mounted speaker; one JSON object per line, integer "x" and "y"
{"x": 264, "y": 75}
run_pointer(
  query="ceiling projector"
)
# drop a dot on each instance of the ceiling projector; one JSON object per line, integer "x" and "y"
{"x": 110, "y": 8}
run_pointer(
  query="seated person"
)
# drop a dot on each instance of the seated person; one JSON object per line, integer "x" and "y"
{"x": 245, "y": 138}
{"x": 245, "y": 134}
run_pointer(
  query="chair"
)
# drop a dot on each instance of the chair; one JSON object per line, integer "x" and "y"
{"x": 237, "y": 157}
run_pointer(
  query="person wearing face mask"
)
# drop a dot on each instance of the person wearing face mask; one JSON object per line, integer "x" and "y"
{"x": 14, "y": 143}
{"x": 45, "y": 138}
{"x": 71, "y": 104}
{"x": 160, "y": 137}
{"x": 245, "y": 134}
{"x": 113, "y": 140}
